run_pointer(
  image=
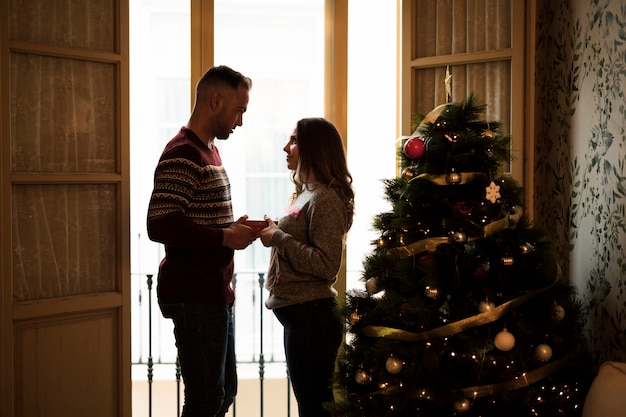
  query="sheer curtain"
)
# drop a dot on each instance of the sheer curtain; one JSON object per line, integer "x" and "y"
{"x": 64, "y": 150}
{"x": 473, "y": 38}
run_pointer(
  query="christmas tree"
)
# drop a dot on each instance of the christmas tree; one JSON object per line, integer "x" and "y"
{"x": 464, "y": 310}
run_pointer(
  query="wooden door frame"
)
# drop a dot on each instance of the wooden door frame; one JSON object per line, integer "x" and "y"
{"x": 117, "y": 302}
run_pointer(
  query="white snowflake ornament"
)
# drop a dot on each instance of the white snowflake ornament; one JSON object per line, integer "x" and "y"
{"x": 493, "y": 192}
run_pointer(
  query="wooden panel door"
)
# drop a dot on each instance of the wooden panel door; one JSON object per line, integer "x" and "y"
{"x": 64, "y": 207}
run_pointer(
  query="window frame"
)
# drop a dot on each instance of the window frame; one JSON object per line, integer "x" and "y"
{"x": 520, "y": 94}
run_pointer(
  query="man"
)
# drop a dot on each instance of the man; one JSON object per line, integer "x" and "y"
{"x": 190, "y": 212}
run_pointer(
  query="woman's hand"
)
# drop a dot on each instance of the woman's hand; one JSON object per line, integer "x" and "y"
{"x": 266, "y": 234}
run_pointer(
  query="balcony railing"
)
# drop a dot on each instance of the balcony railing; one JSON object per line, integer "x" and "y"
{"x": 258, "y": 345}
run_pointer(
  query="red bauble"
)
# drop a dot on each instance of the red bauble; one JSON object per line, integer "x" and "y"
{"x": 414, "y": 148}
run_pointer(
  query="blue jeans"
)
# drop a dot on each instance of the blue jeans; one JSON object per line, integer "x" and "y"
{"x": 312, "y": 335}
{"x": 205, "y": 339}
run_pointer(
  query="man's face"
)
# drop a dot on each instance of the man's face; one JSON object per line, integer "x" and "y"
{"x": 235, "y": 103}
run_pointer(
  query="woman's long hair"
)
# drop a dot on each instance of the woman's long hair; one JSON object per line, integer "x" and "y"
{"x": 322, "y": 153}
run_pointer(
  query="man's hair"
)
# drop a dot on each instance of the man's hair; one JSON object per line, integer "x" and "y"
{"x": 224, "y": 75}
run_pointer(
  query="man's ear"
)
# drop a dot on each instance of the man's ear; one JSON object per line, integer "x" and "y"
{"x": 216, "y": 100}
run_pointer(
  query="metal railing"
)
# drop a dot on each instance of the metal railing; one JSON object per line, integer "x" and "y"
{"x": 257, "y": 340}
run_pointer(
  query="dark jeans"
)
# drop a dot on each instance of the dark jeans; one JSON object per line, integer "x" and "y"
{"x": 205, "y": 339}
{"x": 313, "y": 333}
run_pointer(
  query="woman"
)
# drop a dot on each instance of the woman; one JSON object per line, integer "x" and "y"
{"x": 307, "y": 246}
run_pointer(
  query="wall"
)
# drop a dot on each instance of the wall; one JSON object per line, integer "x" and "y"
{"x": 580, "y": 184}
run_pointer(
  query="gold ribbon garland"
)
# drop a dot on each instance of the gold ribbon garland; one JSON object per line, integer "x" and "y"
{"x": 442, "y": 179}
{"x": 452, "y": 328}
{"x": 528, "y": 378}
{"x": 430, "y": 244}
{"x": 420, "y": 246}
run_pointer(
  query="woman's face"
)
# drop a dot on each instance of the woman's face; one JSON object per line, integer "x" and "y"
{"x": 291, "y": 148}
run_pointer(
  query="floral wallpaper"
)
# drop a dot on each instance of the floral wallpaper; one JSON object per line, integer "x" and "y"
{"x": 580, "y": 173}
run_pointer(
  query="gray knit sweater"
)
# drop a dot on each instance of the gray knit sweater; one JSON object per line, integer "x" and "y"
{"x": 307, "y": 250}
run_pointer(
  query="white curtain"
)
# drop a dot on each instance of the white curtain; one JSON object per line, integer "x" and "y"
{"x": 63, "y": 129}
{"x": 449, "y": 27}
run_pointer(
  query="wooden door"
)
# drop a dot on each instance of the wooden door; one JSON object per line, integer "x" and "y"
{"x": 64, "y": 207}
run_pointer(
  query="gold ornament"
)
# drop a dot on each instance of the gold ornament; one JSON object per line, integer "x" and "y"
{"x": 354, "y": 318}
{"x": 514, "y": 216}
{"x": 431, "y": 292}
{"x": 453, "y": 178}
{"x": 385, "y": 239}
{"x": 526, "y": 248}
{"x": 408, "y": 174}
{"x": 362, "y": 377}
{"x": 485, "y": 306}
{"x": 452, "y": 137}
{"x": 458, "y": 237}
{"x": 504, "y": 340}
{"x": 558, "y": 313}
{"x": 372, "y": 285}
{"x": 462, "y": 406}
{"x": 393, "y": 365}
{"x": 543, "y": 352}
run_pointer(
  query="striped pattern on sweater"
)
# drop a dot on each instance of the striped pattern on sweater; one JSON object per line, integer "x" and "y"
{"x": 202, "y": 194}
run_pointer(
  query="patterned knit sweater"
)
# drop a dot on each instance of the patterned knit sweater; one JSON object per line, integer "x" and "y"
{"x": 307, "y": 250}
{"x": 189, "y": 207}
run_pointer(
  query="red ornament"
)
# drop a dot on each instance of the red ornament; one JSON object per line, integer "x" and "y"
{"x": 463, "y": 208}
{"x": 414, "y": 148}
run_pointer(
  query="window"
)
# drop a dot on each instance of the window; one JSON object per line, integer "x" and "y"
{"x": 372, "y": 120}
{"x": 281, "y": 46}
{"x": 482, "y": 42}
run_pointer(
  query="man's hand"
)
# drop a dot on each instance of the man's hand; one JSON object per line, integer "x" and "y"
{"x": 238, "y": 235}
